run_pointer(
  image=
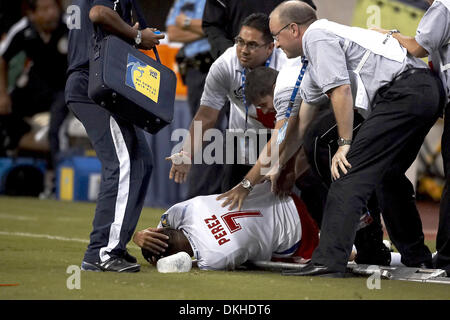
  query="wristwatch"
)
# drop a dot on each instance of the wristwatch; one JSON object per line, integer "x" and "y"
{"x": 187, "y": 22}
{"x": 389, "y": 34}
{"x": 343, "y": 142}
{"x": 138, "y": 38}
{"x": 246, "y": 184}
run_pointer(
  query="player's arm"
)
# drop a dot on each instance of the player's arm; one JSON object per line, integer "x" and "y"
{"x": 204, "y": 119}
{"x": 110, "y": 20}
{"x": 151, "y": 239}
{"x": 410, "y": 43}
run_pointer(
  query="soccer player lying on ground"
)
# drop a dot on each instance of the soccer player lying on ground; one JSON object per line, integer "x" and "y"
{"x": 266, "y": 227}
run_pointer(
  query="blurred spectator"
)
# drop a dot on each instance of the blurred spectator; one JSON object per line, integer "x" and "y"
{"x": 222, "y": 19}
{"x": 10, "y": 13}
{"x": 42, "y": 35}
{"x": 184, "y": 24}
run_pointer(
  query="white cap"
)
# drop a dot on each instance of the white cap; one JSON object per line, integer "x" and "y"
{"x": 179, "y": 262}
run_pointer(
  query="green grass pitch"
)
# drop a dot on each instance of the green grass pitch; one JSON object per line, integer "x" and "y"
{"x": 40, "y": 239}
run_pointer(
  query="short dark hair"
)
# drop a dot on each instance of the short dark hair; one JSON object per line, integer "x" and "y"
{"x": 259, "y": 83}
{"x": 173, "y": 245}
{"x": 260, "y": 22}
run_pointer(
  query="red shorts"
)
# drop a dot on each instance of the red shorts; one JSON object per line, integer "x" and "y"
{"x": 310, "y": 233}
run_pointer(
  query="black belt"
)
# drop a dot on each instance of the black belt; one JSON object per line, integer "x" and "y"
{"x": 410, "y": 72}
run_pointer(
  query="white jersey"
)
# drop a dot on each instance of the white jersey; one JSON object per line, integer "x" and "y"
{"x": 266, "y": 226}
{"x": 224, "y": 82}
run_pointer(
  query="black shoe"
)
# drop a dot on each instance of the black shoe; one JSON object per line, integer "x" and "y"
{"x": 114, "y": 264}
{"x": 424, "y": 265}
{"x": 128, "y": 257}
{"x": 439, "y": 263}
{"x": 314, "y": 269}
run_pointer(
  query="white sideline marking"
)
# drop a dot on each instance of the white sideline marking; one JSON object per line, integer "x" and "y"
{"x": 15, "y": 217}
{"x": 50, "y": 237}
{"x": 44, "y": 236}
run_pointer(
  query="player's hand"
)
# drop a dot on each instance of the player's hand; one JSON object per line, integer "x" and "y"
{"x": 151, "y": 239}
{"x": 5, "y": 104}
{"x": 150, "y": 38}
{"x": 235, "y": 196}
{"x": 181, "y": 165}
{"x": 339, "y": 161}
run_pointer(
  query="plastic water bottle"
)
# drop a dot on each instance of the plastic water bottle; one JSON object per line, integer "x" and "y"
{"x": 179, "y": 262}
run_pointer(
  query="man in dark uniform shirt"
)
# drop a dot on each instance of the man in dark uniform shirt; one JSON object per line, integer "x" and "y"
{"x": 121, "y": 147}
{"x": 222, "y": 19}
{"x": 42, "y": 35}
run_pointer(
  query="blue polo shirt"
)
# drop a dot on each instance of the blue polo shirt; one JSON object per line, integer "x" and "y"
{"x": 80, "y": 43}
{"x": 194, "y": 10}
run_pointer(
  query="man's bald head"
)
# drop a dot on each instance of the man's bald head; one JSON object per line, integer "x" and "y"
{"x": 294, "y": 11}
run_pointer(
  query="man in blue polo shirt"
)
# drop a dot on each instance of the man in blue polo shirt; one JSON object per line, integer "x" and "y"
{"x": 120, "y": 146}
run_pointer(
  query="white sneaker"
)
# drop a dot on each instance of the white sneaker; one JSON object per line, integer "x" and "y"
{"x": 179, "y": 262}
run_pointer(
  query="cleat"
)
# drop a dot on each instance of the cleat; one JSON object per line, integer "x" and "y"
{"x": 114, "y": 264}
{"x": 128, "y": 257}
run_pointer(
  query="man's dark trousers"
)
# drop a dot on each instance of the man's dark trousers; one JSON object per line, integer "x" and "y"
{"x": 442, "y": 260}
{"x": 386, "y": 145}
{"x": 320, "y": 144}
{"x": 126, "y": 168}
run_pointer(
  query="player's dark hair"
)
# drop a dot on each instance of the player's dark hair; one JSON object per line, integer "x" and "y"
{"x": 259, "y": 83}
{"x": 174, "y": 245}
{"x": 260, "y": 22}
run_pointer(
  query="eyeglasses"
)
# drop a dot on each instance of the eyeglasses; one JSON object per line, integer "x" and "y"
{"x": 251, "y": 45}
{"x": 275, "y": 36}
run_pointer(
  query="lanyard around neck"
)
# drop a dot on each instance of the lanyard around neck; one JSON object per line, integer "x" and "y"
{"x": 283, "y": 129}
{"x": 243, "y": 77}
